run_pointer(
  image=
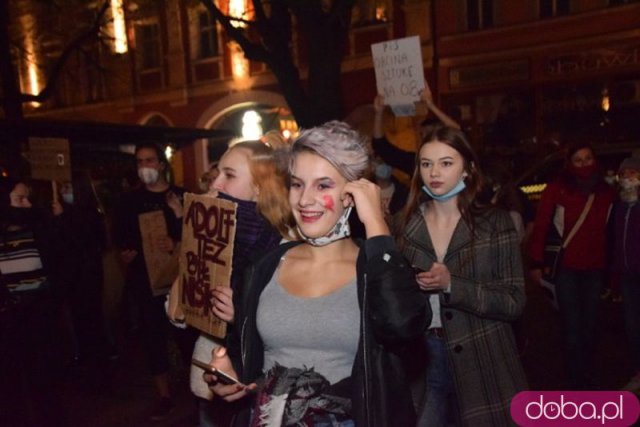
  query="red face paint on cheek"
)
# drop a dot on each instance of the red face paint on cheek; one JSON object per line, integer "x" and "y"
{"x": 328, "y": 202}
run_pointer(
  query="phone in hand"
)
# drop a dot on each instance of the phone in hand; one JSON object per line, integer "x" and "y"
{"x": 223, "y": 377}
{"x": 417, "y": 270}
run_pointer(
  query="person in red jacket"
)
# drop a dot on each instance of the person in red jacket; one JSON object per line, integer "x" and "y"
{"x": 580, "y": 275}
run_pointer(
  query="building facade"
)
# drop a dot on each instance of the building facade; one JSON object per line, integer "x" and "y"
{"x": 169, "y": 63}
{"x": 516, "y": 74}
{"x": 524, "y": 74}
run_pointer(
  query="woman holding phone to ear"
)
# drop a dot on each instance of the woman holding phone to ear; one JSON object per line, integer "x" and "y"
{"x": 318, "y": 321}
{"x": 472, "y": 274}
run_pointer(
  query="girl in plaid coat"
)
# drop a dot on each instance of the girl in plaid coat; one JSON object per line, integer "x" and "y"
{"x": 468, "y": 264}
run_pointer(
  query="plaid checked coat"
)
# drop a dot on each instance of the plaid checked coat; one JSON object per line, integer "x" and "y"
{"x": 487, "y": 292}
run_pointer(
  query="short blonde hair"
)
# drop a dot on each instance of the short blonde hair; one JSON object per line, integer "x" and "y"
{"x": 339, "y": 144}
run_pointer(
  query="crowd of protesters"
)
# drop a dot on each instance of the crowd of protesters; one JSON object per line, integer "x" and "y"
{"x": 326, "y": 308}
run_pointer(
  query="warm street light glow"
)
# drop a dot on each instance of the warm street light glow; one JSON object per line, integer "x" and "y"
{"x": 32, "y": 82}
{"x": 119, "y": 28}
{"x": 168, "y": 152}
{"x": 237, "y": 10}
{"x": 605, "y": 101}
{"x": 239, "y": 64}
{"x": 251, "y": 128}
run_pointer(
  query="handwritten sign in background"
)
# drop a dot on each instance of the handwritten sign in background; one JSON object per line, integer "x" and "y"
{"x": 50, "y": 159}
{"x": 399, "y": 72}
{"x": 208, "y": 232}
{"x": 162, "y": 267}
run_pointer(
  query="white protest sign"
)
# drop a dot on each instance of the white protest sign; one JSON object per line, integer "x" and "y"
{"x": 399, "y": 73}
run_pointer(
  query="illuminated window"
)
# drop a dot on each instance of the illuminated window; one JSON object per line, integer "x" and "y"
{"x": 369, "y": 12}
{"x": 479, "y": 14}
{"x": 551, "y": 8}
{"x": 148, "y": 46}
{"x": 208, "y": 36}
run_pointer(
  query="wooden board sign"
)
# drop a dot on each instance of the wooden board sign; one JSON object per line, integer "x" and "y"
{"x": 208, "y": 233}
{"x": 50, "y": 159}
{"x": 162, "y": 266}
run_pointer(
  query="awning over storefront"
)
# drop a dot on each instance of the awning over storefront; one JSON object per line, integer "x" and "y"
{"x": 107, "y": 136}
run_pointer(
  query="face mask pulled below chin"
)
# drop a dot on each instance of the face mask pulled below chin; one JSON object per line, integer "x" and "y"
{"x": 339, "y": 231}
{"x": 148, "y": 175}
{"x": 449, "y": 194}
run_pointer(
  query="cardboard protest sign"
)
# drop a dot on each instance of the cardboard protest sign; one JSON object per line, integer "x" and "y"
{"x": 208, "y": 232}
{"x": 162, "y": 266}
{"x": 399, "y": 73}
{"x": 50, "y": 159}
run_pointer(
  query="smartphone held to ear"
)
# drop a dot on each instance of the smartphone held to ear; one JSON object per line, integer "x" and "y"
{"x": 223, "y": 377}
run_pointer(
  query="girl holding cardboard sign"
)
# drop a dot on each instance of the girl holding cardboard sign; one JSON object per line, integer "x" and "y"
{"x": 249, "y": 176}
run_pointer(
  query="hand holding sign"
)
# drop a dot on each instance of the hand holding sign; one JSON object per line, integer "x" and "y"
{"x": 208, "y": 231}
{"x": 399, "y": 73}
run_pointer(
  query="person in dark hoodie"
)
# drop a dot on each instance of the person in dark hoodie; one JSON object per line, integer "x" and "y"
{"x": 30, "y": 355}
{"x": 626, "y": 247}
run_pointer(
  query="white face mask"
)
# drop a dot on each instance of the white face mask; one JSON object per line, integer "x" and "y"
{"x": 68, "y": 198}
{"x": 341, "y": 230}
{"x": 148, "y": 175}
{"x": 629, "y": 184}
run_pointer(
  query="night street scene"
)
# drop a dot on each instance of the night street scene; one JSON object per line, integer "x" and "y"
{"x": 319, "y": 213}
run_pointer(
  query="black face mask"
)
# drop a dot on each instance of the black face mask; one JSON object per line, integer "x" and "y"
{"x": 20, "y": 216}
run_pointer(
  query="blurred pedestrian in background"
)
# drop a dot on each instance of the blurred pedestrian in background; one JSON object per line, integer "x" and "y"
{"x": 501, "y": 191}
{"x": 397, "y": 157}
{"x": 392, "y": 192}
{"x": 154, "y": 194}
{"x": 625, "y": 258}
{"x": 85, "y": 244}
{"x": 30, "y": 350}
{"x": 467, "y": 262}
{"x": 579, "y": 278}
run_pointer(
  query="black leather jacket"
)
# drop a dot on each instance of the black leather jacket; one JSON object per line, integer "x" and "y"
{"x": 393, "y": 311}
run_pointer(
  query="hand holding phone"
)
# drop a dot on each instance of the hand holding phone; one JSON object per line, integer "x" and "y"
{"x": 222, "y": 377}
{"x": 417, "y": 270}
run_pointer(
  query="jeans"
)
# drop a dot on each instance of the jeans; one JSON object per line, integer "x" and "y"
{"x": 439, "y": 385}
{"x": 630, "y": 284}
{"x": 330, "y": 420}
{"x": 578, "y": 293}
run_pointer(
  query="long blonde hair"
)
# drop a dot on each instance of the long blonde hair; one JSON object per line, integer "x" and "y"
{"x": 271, "y": 180}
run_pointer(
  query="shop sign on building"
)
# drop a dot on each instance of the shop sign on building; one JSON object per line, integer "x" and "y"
{"x": 593, "y": 61}
{"x": 488, "y": 74}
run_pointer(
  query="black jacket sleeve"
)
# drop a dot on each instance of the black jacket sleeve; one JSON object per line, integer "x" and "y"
{"x": 398, "y": 309}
